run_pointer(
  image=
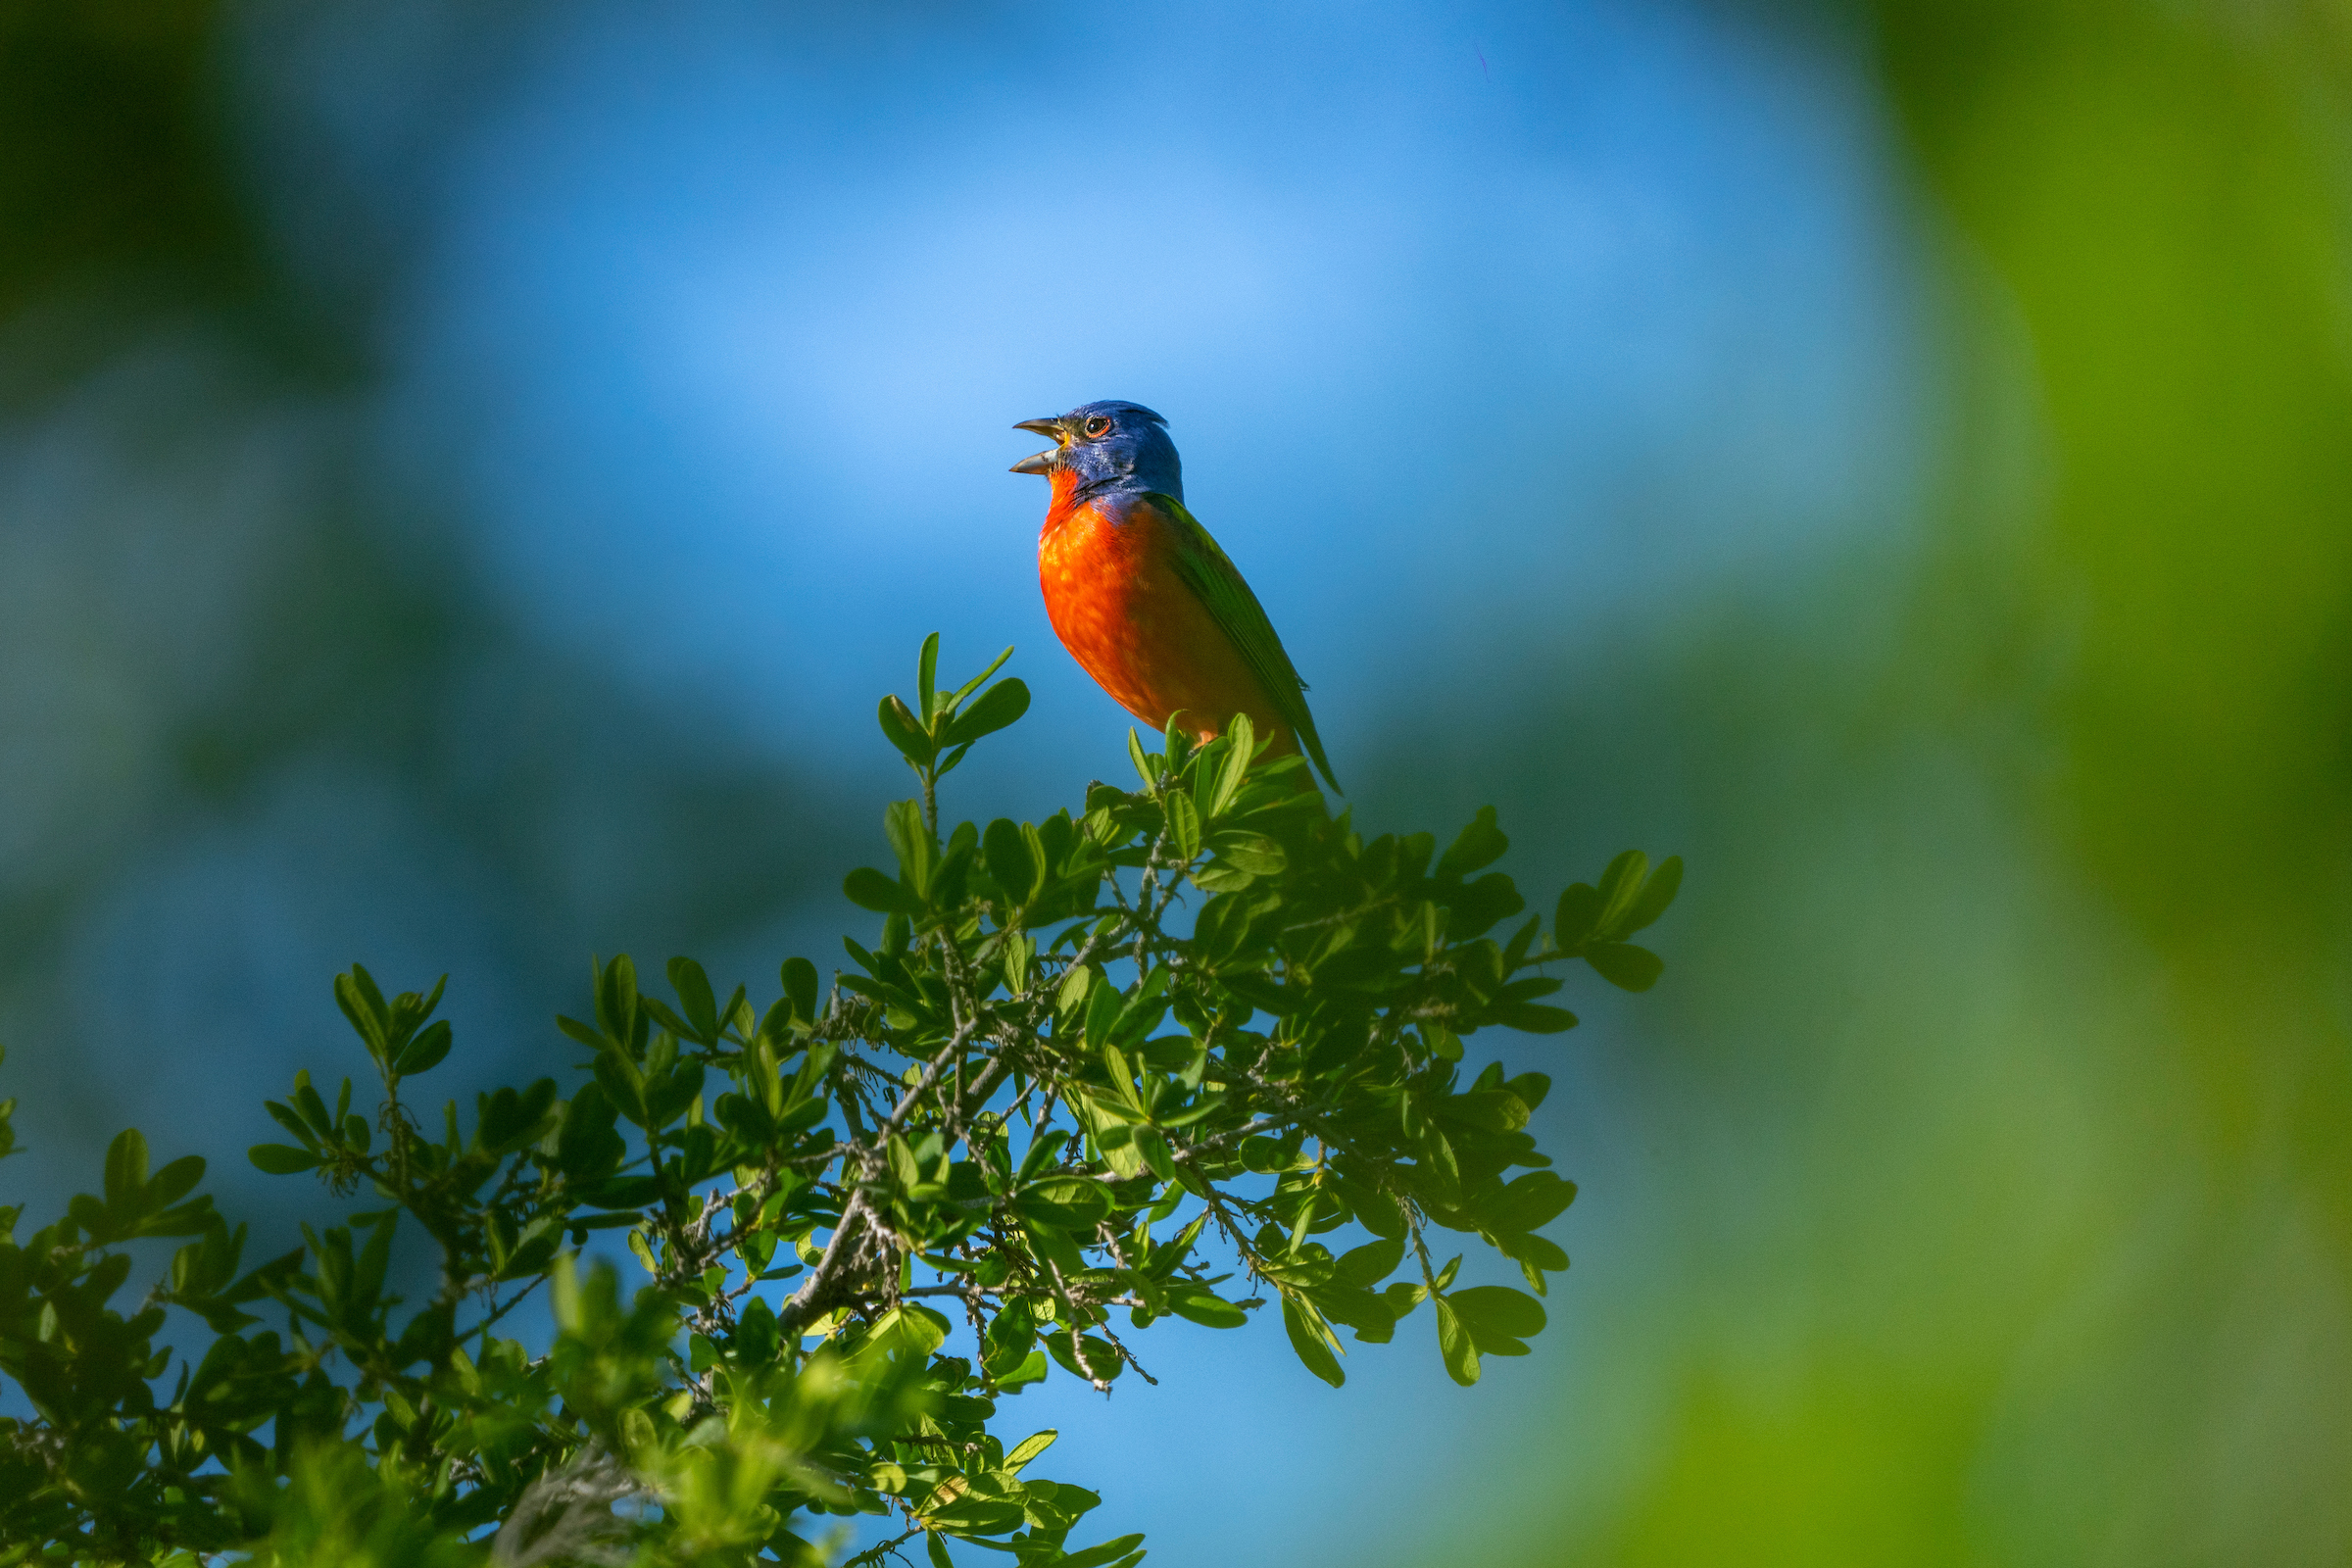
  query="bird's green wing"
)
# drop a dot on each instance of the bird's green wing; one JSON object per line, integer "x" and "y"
{"x": 1217, "y": 582}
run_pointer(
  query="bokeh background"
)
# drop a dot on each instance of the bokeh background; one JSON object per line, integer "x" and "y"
{"x": 467, "y": 472}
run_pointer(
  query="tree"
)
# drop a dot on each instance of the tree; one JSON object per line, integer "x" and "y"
{"x": 987, "y": 1123}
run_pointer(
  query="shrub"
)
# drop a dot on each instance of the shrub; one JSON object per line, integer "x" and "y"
{"x": 1032, "y": 1110}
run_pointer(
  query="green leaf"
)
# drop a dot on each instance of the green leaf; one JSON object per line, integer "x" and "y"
{"x": 1176, "y": 741}
{"x": 363, "y": 1004}
{"x": 668, "y": 1095}
{"x": 1624, "y": 965}
{"x": 1069, "y": 999}
{"x": 284, "y": 1116}
{"x": 1532, "y": 1201}
{"x": 1482, "y": 843}
{"x": 173, "y": 1182}
{"x": 906, "y": 732}
{"x": 1244, "y": 850}
{"x": 1402, "y": 1296}
{"x": 1374, "y": 1209}
{"x": 1019, "y": 953}
{"x": 1222, "y": 876}
{"x": 368, "y": 1276}
{"x": 408, "y": 1011}
{"x": 1473, "y": 909}
{"x": 1233, "y": 768}
{"x": 1656, "y": 894}
{"x": 917, "y": 1329}
{"x": 1496, "y": 1315}
{"x": 1540, "y": 1250}
{"x": 800, "y": 984}
{"x": 1225, "y": 924}
{"x": 1104, "y": 1006}
{"x": 1071, "y": 1202}
{"x": 282, "y": 1159}
{"x": 622, "y": 1083}
{"x": 1515, "y": 951}
{"x": 1031, "y": 1369}
{"x": 1005, "y": 850}
{"x": 1052, "y": 1245}
{"x": 1152, "y": 1144}
{"x": 912, "y": 842}
{"x": 975, "y": 683}
{"x": 901, "y": 1158}
{"x": 506, "y": 1119}
{"x": 1533, "y": 1017}
{"x": 996, "y": 707}
{"x": 1099, "y": 1556}
{"x": 1454, "y": 1345}
{"x": 869, "y": 888}
{"x": 616, "y": 1001}
{"x": 1200, "y": 1304}
{"x": 1029, "y": 1447}
{"x": 1366, "y": 1266}
{"x": 1011, "y": 1339}
{"x": 1366, "y": 1311}
{"x": 1620, "y": 886}
{"x": 1311, "y": 1338}
{"x": 1264, "y": 1154}
{"x": 126, "y": 1167}
{"x": 1184, "y": 824}
{"x": 314, "y": 1109}
{"x": 1140, "y": 1013}
{"x": 1439, "y": 1162}
{"x": 693, "y": 986}
{"x": 1102, "y": 1363}
{"x": 926, "y": 678}
{"x": 588, "y": 1149}
{"x": 1577, "y": 917}
{"x": 424, "y": 1052}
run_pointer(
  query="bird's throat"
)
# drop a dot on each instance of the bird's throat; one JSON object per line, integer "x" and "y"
{"x": 1063, "y": 499}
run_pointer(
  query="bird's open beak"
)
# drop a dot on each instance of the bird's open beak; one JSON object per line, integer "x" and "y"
{"x": 1042, "y": 462}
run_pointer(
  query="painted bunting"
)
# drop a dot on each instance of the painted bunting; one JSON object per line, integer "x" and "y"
{"x": 1141, "y": 596}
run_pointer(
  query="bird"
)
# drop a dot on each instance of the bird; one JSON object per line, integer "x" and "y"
{"x": 1141, "y": 595}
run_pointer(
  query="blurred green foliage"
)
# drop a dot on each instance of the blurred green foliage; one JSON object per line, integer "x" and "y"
{"x": 980, "y": 1106}
{"x": 114, "y": 172}
{"x": 219, "y": 621}
{"x": 2016, "y": 1043}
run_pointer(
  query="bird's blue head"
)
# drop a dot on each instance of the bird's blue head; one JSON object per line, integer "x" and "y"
{"x": 1104, "y": 448}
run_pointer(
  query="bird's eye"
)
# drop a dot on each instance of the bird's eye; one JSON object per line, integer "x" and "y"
{"x": 1097, "y": 428}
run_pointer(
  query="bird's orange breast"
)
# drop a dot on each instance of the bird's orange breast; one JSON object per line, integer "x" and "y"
{"x": 1117, "y": 602}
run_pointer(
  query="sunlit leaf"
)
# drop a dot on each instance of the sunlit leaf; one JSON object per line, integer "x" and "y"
{"x": 1311, "y": 1338}
{"x": 1454, "y": 1346}
{"x": 992, "y": 711}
